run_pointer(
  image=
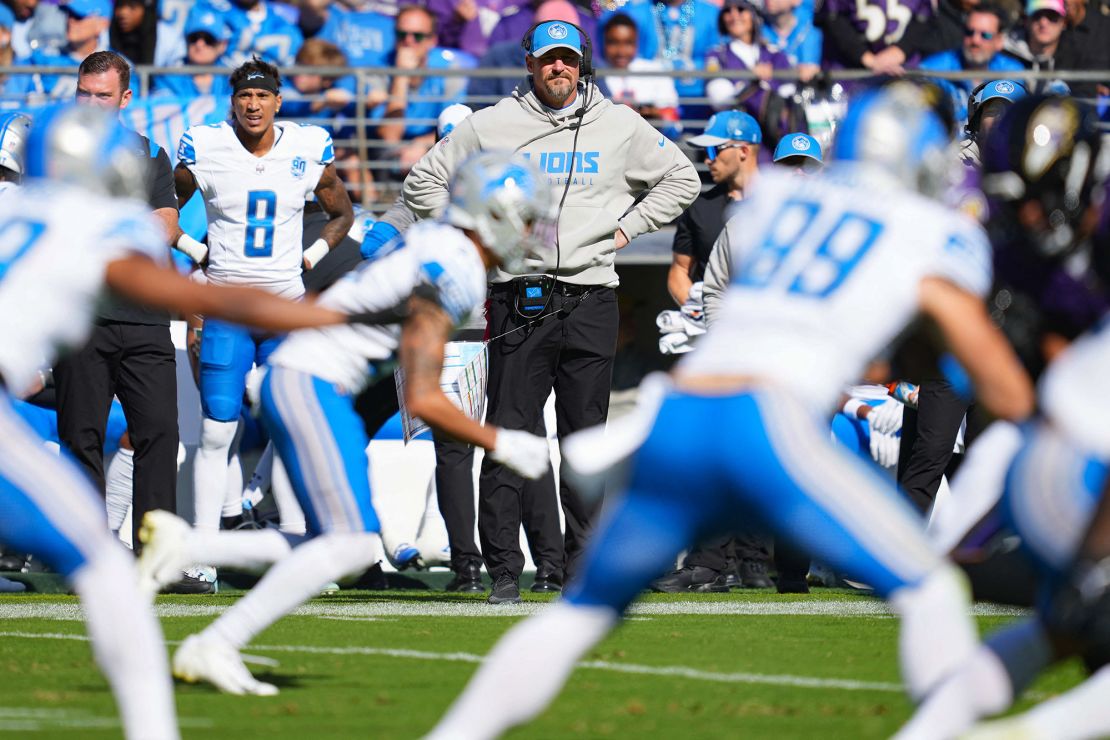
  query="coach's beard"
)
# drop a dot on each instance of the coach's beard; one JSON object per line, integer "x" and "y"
{"x": 561, "y": 93}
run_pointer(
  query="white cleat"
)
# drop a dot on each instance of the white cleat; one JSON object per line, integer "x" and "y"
{"x": 163, "y": 559}
{"x": 218, "y": 663}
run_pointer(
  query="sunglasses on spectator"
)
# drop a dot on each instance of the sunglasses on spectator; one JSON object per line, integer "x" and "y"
{"x": 985, "y": 35}
{"x": 417, "y": 36}
{"x": 711, "y": 152}
{"x": 207, "y": 38}
{"x": 1047, "y": 15}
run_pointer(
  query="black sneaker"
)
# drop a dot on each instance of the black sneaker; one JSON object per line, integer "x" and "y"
{"x": 467, "y": 580}
{"x": 191, "y": 585}
{"x": 696, "y": 578}
{"x": 505, "y": 590}
{"x": 753, "y": 574}
{"x": 792, "y": 586}
{"x": 548, "y": 580}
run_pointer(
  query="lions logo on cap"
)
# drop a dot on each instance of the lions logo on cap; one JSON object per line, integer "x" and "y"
{"x": 557, "y": 32}
{"x": 800, "y": 143}
{"x": 1004, "y": 87}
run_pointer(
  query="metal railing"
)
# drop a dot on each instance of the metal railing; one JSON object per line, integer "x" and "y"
{"x": 371, "y": 167}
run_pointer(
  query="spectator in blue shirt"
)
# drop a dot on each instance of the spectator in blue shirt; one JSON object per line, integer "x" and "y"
{"x": 86, "y": 31}
{"x": 679, "y": 33}
{"x": 416, "y": 100}
{"x": 257, "y": 29}
{"x": 206, "y": 37}
{"x": 790, "y": 31}
{"x": 984, "y": 36}
{"x": 364, "y": 35}
{"x": 37, "y": 26}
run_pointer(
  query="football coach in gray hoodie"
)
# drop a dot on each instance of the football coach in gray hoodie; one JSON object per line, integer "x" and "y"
{"x": 617, "y": 178}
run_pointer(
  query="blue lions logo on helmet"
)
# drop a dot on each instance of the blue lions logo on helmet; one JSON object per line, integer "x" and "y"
{"x": 800, "y": 143}
{"x": 557, "y": 32}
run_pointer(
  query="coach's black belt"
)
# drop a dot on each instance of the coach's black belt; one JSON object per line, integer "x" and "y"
{"x": 565, "y": 289}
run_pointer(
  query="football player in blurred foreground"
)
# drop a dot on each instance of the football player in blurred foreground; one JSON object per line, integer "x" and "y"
{"x": 827, "y": 270}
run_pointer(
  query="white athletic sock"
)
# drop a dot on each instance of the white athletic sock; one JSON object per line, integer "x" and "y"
{"x": 127, "y": 644}
{"x": 210, "y": 471}
{"x": 249, "y": 549}
{"x": 233, "y": 496}
{"x": 1078, "y": 714}
{"x": 118, "y": 489}
{"x": 937, "y": 633}
{"x": 294, "y": 580}
{"x": 979, "y": 688}
{"x": 292, "y": 517}
{"x": 525, "y": 671}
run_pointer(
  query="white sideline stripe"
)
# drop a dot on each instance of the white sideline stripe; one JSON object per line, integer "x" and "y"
{"x": 868, "y": 608}
{"x": 805, "y": 682}
{"x": 31, "y": 719}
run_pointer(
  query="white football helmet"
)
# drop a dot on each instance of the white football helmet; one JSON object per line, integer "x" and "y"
{"x": 88, "y": 147}
{"x": 14, "y": 128}
{"x": 507, "y": 202}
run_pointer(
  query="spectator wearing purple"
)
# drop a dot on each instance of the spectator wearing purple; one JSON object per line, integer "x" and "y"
{"x": 788, "y": 31}
{"x": 742, "y": 49}
{"x": 1043, "y": 46}
{"x": 862, "y": 34}
{"x": 206, "y": 37}
{"x": 513, "y": 26}
{"x": 679, "y": 33}
{"x": 467, "y": 24}
{"x": 984, "y": 37}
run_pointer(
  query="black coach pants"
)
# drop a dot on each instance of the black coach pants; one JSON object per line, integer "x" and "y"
{"x": 571, "y": 352}
{"x": 928, "y": 435}
{"x": 136, "y": 363}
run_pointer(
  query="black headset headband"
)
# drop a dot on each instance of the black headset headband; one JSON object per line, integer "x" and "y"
{"x": 585, "y": 65}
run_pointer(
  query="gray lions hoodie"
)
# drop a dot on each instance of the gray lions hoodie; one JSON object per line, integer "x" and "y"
{"x": 626, "y": 174}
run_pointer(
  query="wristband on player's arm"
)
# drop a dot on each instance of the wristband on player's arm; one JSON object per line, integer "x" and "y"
{"x": 195, "y": 250}
{"x": 316, "y": 252}
{"x": 380, "y": 234}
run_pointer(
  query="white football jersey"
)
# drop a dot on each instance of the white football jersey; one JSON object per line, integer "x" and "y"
{"x": 255, "y": 204}
{"x": 434, "y": 255}
{"x": 1074, "y": 395}
{"x": 55, "y": 244}
{"x": 825, "y": 272}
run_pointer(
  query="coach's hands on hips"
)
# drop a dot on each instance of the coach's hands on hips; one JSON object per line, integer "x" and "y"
{"x": 620, "y": 241}
{"x": 525, "y": 453}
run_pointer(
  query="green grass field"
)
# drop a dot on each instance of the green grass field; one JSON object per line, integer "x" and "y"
{"x": 386, "y": 665}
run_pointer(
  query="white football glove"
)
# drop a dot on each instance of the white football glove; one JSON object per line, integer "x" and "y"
{"x": 525, "y": 453}
{"x": 886, "y": 418}
{"x": 884, "y": 448}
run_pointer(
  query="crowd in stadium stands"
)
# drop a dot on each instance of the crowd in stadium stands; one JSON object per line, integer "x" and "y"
{"x": 761, "y": 36}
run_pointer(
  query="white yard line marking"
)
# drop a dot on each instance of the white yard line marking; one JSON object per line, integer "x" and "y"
{"x": 27, "y": 719}
{"x": 806, "y": 682}
{"x": 848, "y": 608}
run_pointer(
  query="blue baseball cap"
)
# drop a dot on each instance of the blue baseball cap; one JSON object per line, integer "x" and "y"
{"x": 797, "y": 145}
{"x": 555, "y": 35}
{"x": 84, "y": 8}
{"x": 203, "y": 19}
{"x": 727, "y": 127}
